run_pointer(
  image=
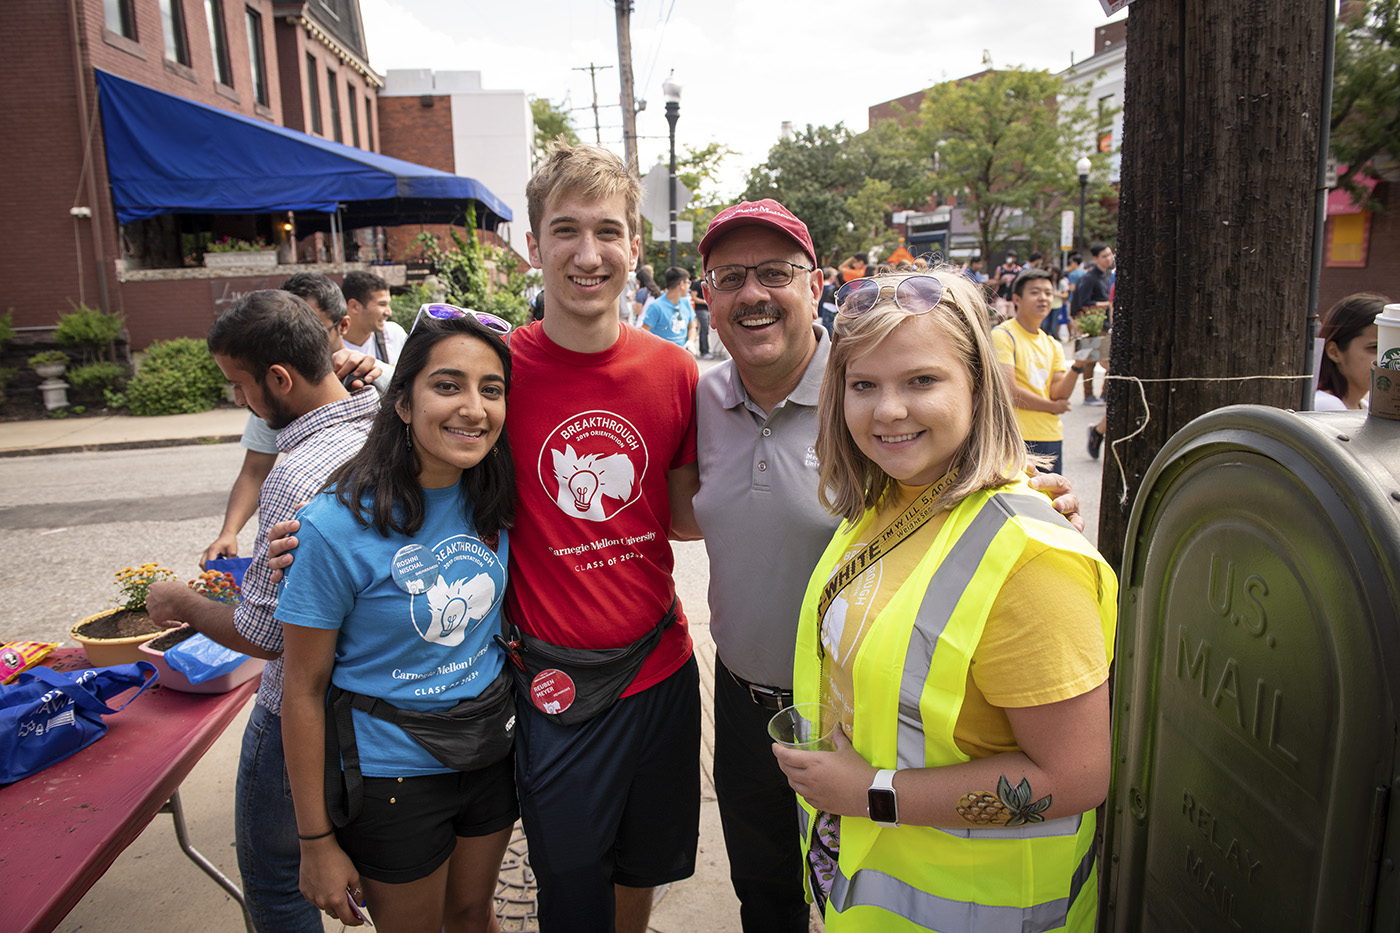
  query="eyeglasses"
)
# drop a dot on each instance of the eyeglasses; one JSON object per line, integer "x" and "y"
{"x": 914, "y": 294}
{"x": 772, "y": 274}
{"x": 444, "y": 312}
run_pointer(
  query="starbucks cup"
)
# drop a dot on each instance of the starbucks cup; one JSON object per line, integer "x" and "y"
{"x": 1388, "y": 337}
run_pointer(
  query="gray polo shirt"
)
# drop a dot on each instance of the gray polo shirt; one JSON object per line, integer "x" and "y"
{"x": 757, "y": 506}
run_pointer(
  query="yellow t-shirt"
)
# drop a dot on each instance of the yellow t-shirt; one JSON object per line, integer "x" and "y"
{"x": 1043, "y": 641}
{"x": 1037, "y": 359}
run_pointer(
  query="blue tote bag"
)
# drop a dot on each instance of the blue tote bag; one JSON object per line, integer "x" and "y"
{"x": 47, "y": 715}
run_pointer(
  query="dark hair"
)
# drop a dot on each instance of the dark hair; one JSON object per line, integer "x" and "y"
{"x": 1096, "y": 248}
{"x": 379, "y": 484}
{"x": 1075, "y": 257}
{"x": 313, "y": 286}
{"x": 272, "y": 327}
{"x": 646, "y": 281}
{"x": 1342, "y": 323}
{"x": 359, "y": 285}
{"x": 1037, "y": 255}
{"x": 1030, "y": 275}
{"x": 675, "y": 276}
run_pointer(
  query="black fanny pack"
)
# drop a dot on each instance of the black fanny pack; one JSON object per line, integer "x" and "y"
{"x": 572, "y": 685}
{"x": 471, "y": 735}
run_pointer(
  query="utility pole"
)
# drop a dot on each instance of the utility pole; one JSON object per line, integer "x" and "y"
{"x": 624, "y": 61}
{"x": 1218, "y": 161}
{"x": 593, "y": 70}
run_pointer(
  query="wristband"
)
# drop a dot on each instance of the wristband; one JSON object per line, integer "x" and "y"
{"x": 316, "y": 835}
{"x": 1077, "y": 368}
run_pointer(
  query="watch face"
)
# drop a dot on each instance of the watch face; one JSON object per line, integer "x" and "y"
{"x": 882, "y": 806}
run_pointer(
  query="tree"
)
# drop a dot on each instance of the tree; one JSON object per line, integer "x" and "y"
{"x": 550, "y": 123}
{"x": 813, "y": 174}
{"x": 1366, "y": 93}
{"x": 1006, "y": 142}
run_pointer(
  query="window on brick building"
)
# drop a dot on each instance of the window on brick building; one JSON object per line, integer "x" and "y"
{"x": 313, "y": 93}
{"x": 218, "y": 40}
{"x": 172, "y": 21}
{"x": 255, "y": 55}
{"x": 120, "y": 17}
{"x": 369, "y": 124}
{"x": 333, "y": 87}
{"x": 354, "y": 101}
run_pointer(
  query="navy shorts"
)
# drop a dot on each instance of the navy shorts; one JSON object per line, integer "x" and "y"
{"x": 409, "y": 826}
{"x": 615, "y": 800}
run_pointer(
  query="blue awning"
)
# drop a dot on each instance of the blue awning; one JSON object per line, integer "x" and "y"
{"x": 168, "y": 155}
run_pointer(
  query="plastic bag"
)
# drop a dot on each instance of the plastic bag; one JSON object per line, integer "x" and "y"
{"x": 234, "y": 565}
{"x": 200, "y": 659}
{"x": 16, "y": 656}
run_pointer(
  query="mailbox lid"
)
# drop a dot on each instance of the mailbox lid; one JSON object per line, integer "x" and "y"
{"x": 1254, "y": 705}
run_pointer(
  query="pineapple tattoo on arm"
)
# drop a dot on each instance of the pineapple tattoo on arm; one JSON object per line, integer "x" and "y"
{"x": 1009, "y": 806}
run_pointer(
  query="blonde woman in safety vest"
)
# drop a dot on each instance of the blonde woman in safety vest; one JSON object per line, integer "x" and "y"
{"x": 958, "y": 630}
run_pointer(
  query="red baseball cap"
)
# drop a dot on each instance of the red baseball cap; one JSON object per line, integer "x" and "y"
{"x": 765, "y": 213}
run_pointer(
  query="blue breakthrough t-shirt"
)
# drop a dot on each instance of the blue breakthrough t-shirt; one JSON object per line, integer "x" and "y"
{"x": 415, "y": 614}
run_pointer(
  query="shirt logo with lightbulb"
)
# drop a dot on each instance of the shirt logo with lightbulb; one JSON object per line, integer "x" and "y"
{"x": 464, "y": 593}
{"x": 593, "y": 465}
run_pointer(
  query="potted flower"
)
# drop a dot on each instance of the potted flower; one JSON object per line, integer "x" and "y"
{"x": 114, "y": 636}
{"x": 50, "y": 365}
{"x": 219, "y": 586}
{"x": 1093, "y": 343}
{"x": 229, "y": 252}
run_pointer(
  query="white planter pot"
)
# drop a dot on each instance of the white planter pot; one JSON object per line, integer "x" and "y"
{"x": 50, "y": 371}
{"x": 261, "y": 259}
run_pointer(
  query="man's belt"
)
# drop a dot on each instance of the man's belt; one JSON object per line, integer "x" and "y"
{"x": 772, "y": 698}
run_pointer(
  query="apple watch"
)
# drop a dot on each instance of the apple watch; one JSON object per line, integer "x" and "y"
{"x": 883, "y": 805}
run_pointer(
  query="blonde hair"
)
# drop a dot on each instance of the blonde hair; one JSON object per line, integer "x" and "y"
{"x": 851, "y": 482}
{"x": 586, "y": 171}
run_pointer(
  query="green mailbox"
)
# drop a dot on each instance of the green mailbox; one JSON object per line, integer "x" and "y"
{"x": 1257, "y": 681}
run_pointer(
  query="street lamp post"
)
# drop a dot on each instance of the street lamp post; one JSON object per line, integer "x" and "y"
{"x": 672, "y": 90}
{"x": 1082, "y": 167}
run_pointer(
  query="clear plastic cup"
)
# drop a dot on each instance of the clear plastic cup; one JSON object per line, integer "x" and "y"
{"x": 804, "y": 726}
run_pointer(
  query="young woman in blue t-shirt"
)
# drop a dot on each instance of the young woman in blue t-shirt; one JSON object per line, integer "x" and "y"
{"x": 395, "y": 596}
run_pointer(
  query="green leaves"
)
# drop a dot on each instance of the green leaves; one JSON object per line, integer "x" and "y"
{"x": 1018, "y": 801}
{"x": 1366, "y": 93}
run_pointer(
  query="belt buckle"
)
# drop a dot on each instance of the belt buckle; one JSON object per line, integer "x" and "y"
{"x": 768, "y": 699}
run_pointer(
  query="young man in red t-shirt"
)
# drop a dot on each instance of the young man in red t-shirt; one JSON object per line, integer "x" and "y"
{"x": 602, "y": 425}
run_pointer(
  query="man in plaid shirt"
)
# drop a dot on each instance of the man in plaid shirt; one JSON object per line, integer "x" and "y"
{"x": 319, "y": 426}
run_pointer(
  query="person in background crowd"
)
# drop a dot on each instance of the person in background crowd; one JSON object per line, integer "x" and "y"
{"x": 702, "y": 318}
{"x": 854, "y": 267}
{"x": 260, "y": 441}
{"x": 1349, "y": 329}
{"x": 368, "y": 308}
{"x": 670, "y": 315}
{"x": 1094, "y": 292}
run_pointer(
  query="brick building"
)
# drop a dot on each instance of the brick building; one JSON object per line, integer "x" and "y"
{"x": 266, "y": 64}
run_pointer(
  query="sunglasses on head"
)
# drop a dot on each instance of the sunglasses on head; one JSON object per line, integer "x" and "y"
{"x": 444, "y": 312}
{"x": 913, "y": 294}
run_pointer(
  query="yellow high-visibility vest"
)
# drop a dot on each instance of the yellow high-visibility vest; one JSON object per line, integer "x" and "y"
{"x": 909, "y": 676}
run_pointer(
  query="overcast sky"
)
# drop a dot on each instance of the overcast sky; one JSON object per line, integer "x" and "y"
{"x": 744, "y": 67}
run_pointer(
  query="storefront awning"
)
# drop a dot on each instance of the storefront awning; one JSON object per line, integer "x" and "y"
{"x": 168, "y": 155}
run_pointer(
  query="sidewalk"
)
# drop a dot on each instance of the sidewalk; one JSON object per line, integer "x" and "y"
{"x": 119, "y": 432}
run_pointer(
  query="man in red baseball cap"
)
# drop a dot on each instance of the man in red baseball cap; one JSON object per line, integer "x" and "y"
{"x": 757, "y": 424}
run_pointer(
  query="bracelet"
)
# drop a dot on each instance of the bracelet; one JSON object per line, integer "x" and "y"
{"x": 316, "y": 835}
{"x": 1077, "y": 369}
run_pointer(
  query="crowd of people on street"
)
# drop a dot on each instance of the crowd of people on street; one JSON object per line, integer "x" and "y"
{"x": 478, "y": 619}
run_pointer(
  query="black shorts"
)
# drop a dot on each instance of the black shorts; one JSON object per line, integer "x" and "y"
{"x": 614, "y": 800}
{"x": 409, "y": 826}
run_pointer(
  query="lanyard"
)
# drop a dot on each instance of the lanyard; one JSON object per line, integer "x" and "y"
{"x": 896, "y": 533}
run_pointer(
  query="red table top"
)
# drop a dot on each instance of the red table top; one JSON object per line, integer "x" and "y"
{"x": 62, "y": 828}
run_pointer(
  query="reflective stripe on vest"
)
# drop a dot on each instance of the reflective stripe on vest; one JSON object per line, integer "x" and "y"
{"x": 878, "y": 889}
{"x": 941, "y": 600}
